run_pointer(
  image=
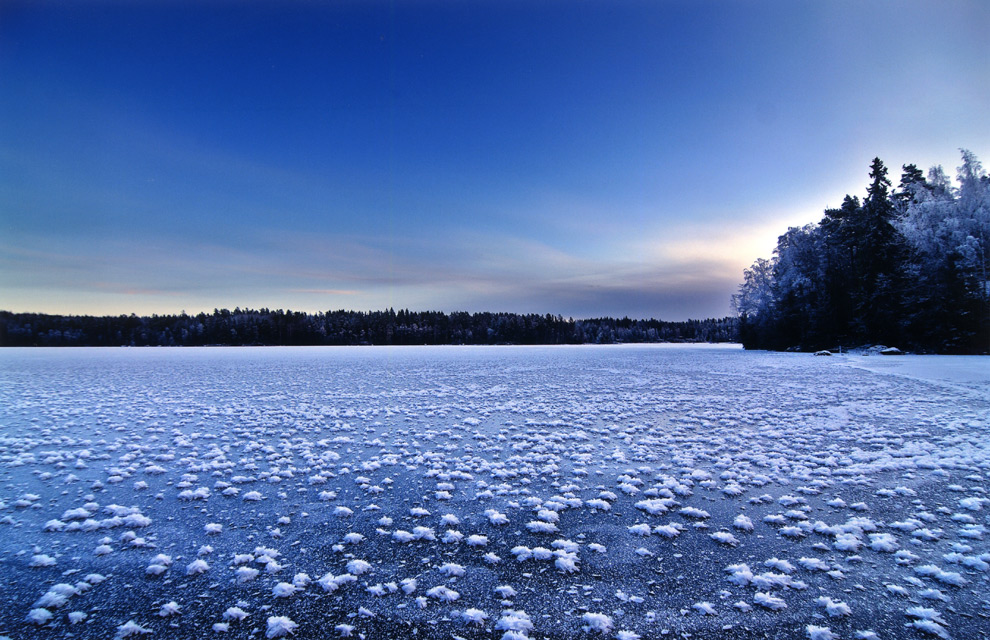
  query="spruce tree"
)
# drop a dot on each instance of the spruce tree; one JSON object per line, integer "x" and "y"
{"x": 881, "y": 255}
{"x": 912, "y": 178}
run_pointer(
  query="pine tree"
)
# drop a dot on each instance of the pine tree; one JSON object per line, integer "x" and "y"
{"x": 912, "y": 179}
{"x": 880, "y": 256}
{"x": 841, "y": 229}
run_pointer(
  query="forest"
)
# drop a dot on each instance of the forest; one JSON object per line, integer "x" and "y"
{"x": 403, "y": 327}
{"x": 904, "y": 267}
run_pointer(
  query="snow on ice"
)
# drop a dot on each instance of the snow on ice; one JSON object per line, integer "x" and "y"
{"x": 512, "y": 492}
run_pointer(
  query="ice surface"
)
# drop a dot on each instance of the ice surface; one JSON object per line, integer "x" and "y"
{"x": 479, "y": 492}
{"x": 966, "y": 374}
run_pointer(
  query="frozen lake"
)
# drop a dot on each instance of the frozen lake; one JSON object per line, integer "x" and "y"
{"x": 492, "y": 492}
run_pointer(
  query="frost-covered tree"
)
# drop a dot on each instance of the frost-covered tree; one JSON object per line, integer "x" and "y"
{"x": 908, "y": 267}
{"x": 912, "y": 178}
{"x": 947, "y": 231}
{"x": 755, "y": 295}
{"x": 800, "y": 274}
{"x": 754, "y": 303}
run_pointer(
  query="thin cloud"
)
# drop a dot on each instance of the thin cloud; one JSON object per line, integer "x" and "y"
{"x": 331, "y": 292}
{"x": 319, "y": 271}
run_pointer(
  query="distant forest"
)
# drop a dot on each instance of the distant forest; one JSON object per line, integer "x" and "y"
{"x": 906, "y": 267}
{"x": 265, "y": 327}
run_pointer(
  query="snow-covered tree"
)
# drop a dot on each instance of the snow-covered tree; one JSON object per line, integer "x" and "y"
{"x": 754, "y": 302}
{"x": 947, "y": 231}
{"x": 908, "y": 267}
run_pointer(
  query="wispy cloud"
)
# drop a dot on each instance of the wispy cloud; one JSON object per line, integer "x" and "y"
{"x": 462, "y": 270}
{"x": 675, "y": 269}
{"x": 327, "y": 292}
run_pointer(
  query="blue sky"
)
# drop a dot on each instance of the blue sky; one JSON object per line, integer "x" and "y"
{"x": 581, "y": 158}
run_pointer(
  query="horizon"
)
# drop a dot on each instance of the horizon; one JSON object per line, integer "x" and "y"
{"x": 237, "y": 309}
{"x": 597, "y": 160}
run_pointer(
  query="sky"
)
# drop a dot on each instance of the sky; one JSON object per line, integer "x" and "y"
{"x": 587, "y": 159}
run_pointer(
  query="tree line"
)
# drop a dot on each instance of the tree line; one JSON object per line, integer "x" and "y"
{"x": 403, "y": 327}
{"x": 906, "y": 267}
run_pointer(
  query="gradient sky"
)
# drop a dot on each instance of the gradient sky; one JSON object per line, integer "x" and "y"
{"x": 580, "y": 158}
